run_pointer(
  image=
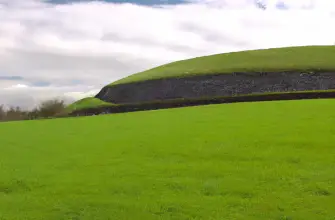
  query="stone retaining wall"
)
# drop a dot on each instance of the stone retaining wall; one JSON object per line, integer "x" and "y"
{"x": 216, "y": 85}
{"x": 132, "y": 107}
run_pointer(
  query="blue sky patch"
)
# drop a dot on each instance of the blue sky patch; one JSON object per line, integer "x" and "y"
{"x": 281, "y": 5}
{"x": 11, "y": 78}
{"x": 40, "y": 84}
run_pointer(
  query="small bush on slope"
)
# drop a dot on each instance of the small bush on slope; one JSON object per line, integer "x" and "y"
{"x": 89, "y": 102}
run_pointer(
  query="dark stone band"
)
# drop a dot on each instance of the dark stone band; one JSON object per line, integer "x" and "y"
{"x": 216, "y": 85}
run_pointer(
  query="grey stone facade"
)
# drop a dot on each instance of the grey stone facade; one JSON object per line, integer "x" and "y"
{"x": 216, "y": 85}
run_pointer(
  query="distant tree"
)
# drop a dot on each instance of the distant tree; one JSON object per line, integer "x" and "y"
{"x": 2, "y": 113}
{"x": 46, "y": 109}
{"x": 50, "y": 108}
{"x": 32, "y": 114}
{"x": 14, "y": 114}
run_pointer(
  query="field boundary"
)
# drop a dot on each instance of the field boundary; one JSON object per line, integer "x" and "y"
{"x": 178, "y": 103}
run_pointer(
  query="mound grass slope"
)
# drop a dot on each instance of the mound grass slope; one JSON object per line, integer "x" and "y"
{"x": 244, "y": 161}
{"x": 89, "y": 102}
{"x": 307, "y": 58}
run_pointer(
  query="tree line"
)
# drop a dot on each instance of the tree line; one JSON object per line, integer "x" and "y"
{"x": 46, "y": 109}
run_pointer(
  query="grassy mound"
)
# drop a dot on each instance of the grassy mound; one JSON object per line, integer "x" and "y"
{"x": 270, "y": 160}
{"x": 302, "y": 59}
{"x": 89, "y": 102}
{"x": 308, "y": 58}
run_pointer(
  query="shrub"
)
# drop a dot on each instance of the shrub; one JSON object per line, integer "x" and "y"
{"x": 46, "y": 109}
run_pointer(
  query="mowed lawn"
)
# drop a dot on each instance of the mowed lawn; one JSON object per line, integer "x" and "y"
{"x": 269, "y": 160}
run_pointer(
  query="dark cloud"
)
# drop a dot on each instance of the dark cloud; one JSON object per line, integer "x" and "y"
{"x": 138, "y": 2}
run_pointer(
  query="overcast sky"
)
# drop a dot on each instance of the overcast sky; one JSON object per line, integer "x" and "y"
{"x": 71, "y": 48}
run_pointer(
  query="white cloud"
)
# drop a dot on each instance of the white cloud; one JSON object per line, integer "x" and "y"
{"x": 77, "y": 48}
{"x": 17, "y": 86}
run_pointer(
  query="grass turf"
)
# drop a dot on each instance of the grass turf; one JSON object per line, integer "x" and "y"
{"x": 88, "y": 102}
{"x": 307, "y": 58}
{"x": 250, "y": 161}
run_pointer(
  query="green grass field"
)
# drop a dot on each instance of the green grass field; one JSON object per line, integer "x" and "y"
{"x": 248, "y": 161}
{"x": 308, "y": 58}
